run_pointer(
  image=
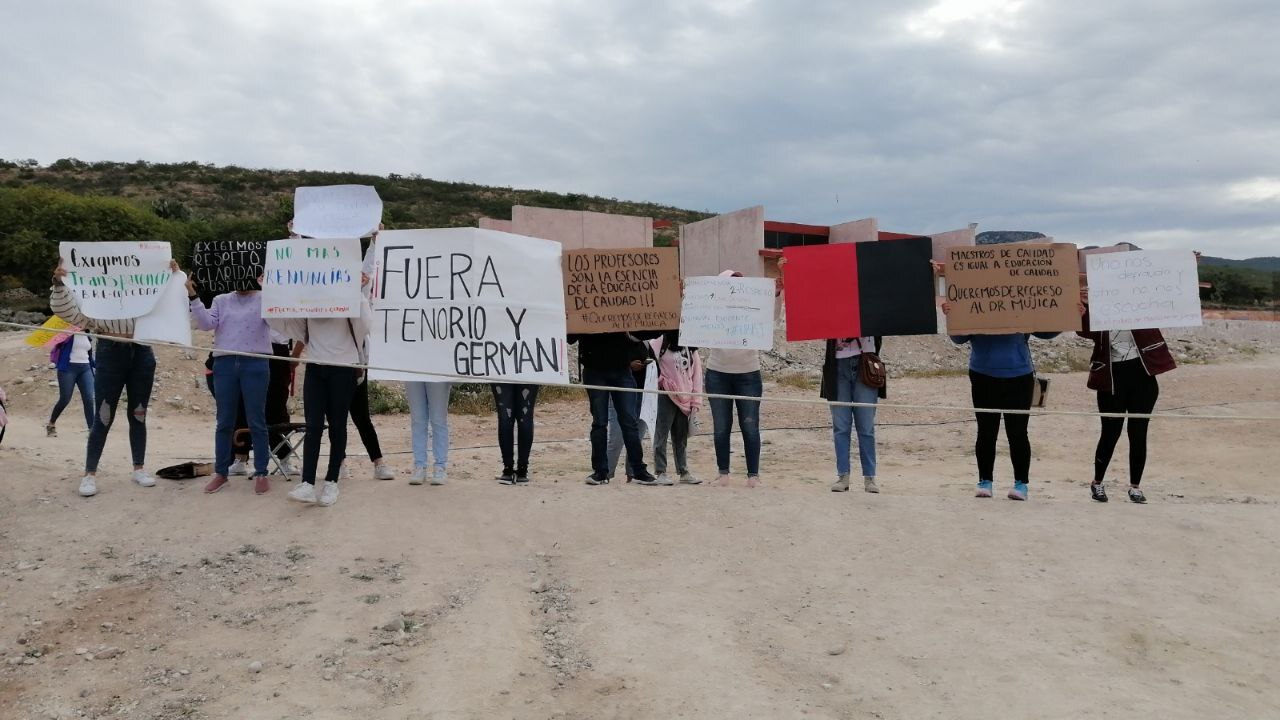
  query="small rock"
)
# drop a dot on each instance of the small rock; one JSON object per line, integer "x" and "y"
{"x": 395, "y": 624}
{"x": 329, "y": 675}
{"x": 109, "y": 653}
{"x": 108, "y": 626}
{"x": 82, "y": 651}
{"x": 17, "y": 660}
{"x": 539, "y": 586}
{"x": 836, "y": 650}
{"x": 255, "y": 667}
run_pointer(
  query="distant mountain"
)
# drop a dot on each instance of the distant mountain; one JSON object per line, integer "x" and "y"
{"x": 1265, "y": 264}
{"x": 996, "y": 237}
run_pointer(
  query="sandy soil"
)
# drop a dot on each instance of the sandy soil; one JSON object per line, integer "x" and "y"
{"x": 559, "y": 600}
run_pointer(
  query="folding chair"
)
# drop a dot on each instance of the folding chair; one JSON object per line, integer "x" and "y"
{"x": 291, "y": 436}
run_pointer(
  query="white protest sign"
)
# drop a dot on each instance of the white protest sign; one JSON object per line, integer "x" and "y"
{"x": 170, "y": 320}
{"x": 727, "y": 312}
{"x": 466, "y": 301}
{"x": 336, "y": 211}
{"x": 1143, "y": 289}
{"x": 304, "y": 277}
{"x": 115, "y": 280}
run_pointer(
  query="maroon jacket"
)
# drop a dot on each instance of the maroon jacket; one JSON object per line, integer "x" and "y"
{"x": 1152, "y": 353}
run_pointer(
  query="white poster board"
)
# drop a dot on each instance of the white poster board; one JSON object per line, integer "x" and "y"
{"x": 1143, "y": 289}
{"x": 478, "y": 303}
{"x": 728, "y": 312}
{"x": 170, "y": 320}
{"x": 115, "y": 280}
{"x": 303, "y": 277}
{"x": 336, "y": 211}
{"x": 649, "y": 404}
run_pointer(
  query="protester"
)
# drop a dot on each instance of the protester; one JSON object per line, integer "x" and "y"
{"x": 608, "y": 360}
{"x": 239, "y": 383}
{"x": 73, "y": 356}
{"x": 1123, "y": 371}
{"x": 429, "y": 419}
{"x": 680, "y": 372}
{"x": 122, "y": 366}
{"x": 361, "y": 418}
{"x": 735, "y": 372}
{"x": 514, "y": 405}
{"x": 327, "y": 392}
{"x": 842, "y": 382}
{"x": 641, "y": 357}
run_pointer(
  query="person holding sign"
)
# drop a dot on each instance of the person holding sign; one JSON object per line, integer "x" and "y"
{"x": 514, "y": 404}
{"x": 843, "y": 381}
{"x": 1123, "y": 371}
{"x": 327, "y": 391}
{"x": 607, "y": 361}
{"x": 679, "y": 371}
{"x": 236, "y": 321}
{"x": 73, "y": 356}
{"x": 123, "y": 367}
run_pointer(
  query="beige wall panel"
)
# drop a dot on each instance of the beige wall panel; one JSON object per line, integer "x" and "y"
{"x": 865, "y": 230}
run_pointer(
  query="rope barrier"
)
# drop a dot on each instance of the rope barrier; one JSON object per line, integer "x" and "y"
{"x": 711, "y": 396}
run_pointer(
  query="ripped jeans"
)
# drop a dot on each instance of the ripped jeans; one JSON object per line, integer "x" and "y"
{"x": 514, "y": 404}
{"x": 122, "y": 367}
{"x": 749, "y": 384}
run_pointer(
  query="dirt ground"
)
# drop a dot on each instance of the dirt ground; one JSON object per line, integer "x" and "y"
{"x": 559, "y": 600}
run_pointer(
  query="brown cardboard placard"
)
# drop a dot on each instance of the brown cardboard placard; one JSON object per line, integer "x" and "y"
{"x": 1015, "y": 287}
{"x": 613, "y": 290}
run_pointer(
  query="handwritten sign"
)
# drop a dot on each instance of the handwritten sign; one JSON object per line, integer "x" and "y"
{"x": 1022, "y": 287}
{"x": 727, "y": 312}
{"x": 115, "y": 280}
{"x": 228, "y": 265}
{"x": 169, "y": 320}
{"x": 1143, "y": 289}
{"x": 467, "y": 301}
{"x": 304, "y": 277}
{"x": 52, "y": 328}
{"x": 336, "y": 211}
{"x": 618, "y": 290}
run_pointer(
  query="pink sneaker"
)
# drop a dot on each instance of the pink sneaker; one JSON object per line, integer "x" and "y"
{"x": 753, "y": 481}
{"x": 215, "y": 484}
{"x": 723, "y": 480}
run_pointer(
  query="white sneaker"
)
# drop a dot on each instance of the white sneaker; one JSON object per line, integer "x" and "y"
{"x": 304, "y": 493}
{"x": 143, "y": 479}
{"x": 329, "y": 495}
{"x": 88, "y": 486}
{"x": 439, "y": 477}
{"x": 382, "y": 472}
{"x": 238, "y": 468}
{"x": 419, "y": 476}
{"x": 287, "y": 469}
{"x": 664, "y": 479}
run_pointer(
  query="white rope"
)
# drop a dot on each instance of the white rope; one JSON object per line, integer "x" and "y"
{"x": 717, "y": 396}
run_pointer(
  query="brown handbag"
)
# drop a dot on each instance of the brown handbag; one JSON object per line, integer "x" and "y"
{"x": 871, "y": 371}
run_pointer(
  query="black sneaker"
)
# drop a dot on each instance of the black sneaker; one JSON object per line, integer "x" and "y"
{"x": 594, "y": 479}
{"x": 646, "y": 479}
{"x": 1097, "y": 492}
{"x": 522, "y": 477}
{"x": 507, "y": 477}
{"x": 1135, "y": 495}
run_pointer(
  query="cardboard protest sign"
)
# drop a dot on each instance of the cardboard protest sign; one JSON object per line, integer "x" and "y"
{"x": 822, "y": 291}
{"x": 466, "y": 301}
{"x": 304, "y": 277}
{"x": 115, "y": 280}
{"x": 169, "y": 320}
{"x": 1021, "y": 287}
{"x": 1143, "y": 289}
{"x": 224, "y": 266}
{"x": 895, "y": 287}
{"x": 336, "y": 211}
{"x": 52, "y": 328}
{"x": 625, "y": 289}
{"x": 728, "y": 312}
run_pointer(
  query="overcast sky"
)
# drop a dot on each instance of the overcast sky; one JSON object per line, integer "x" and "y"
{"x": 1094, "y": 121}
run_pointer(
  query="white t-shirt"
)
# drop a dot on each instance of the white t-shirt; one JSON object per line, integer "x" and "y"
{"x": 847, "y": 348}
{"x": 80, "y": 349}
{"x": 733, "y": 361}
{"x": 1123, "y": 346}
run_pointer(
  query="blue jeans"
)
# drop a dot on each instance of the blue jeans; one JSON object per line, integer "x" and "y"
{"x": 615, "y": 430}
{"x": 627, "y": 409}
{"x": 429, "y": 408}
{"x": 77, "y": 375}
{"x": 746, "y": 384}
{"x": 131, "y": 369}
{"x": 844, "y": 419}
{"x": 235, "y": 379}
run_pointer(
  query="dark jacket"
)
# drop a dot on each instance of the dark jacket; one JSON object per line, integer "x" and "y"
{"x": 61, "y": 355}
{"x": 1152, "y": 353}
{"x": 612, "y": 351}
{"x": 828, "y": 391}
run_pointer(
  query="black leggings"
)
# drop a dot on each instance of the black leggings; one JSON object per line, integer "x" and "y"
{"x": 364, "y": 424}
{"x": 1133, "y": 391}
{"x": 514, "y": 404}
{"x": 1011, "y": 394}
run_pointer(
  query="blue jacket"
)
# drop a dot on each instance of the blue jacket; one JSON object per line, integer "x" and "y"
{"x": 61, "y": 355}
{"x": 1001, "y": 356}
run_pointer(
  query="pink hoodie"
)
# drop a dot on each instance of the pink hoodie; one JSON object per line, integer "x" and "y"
{"x": 679, "y": 371}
